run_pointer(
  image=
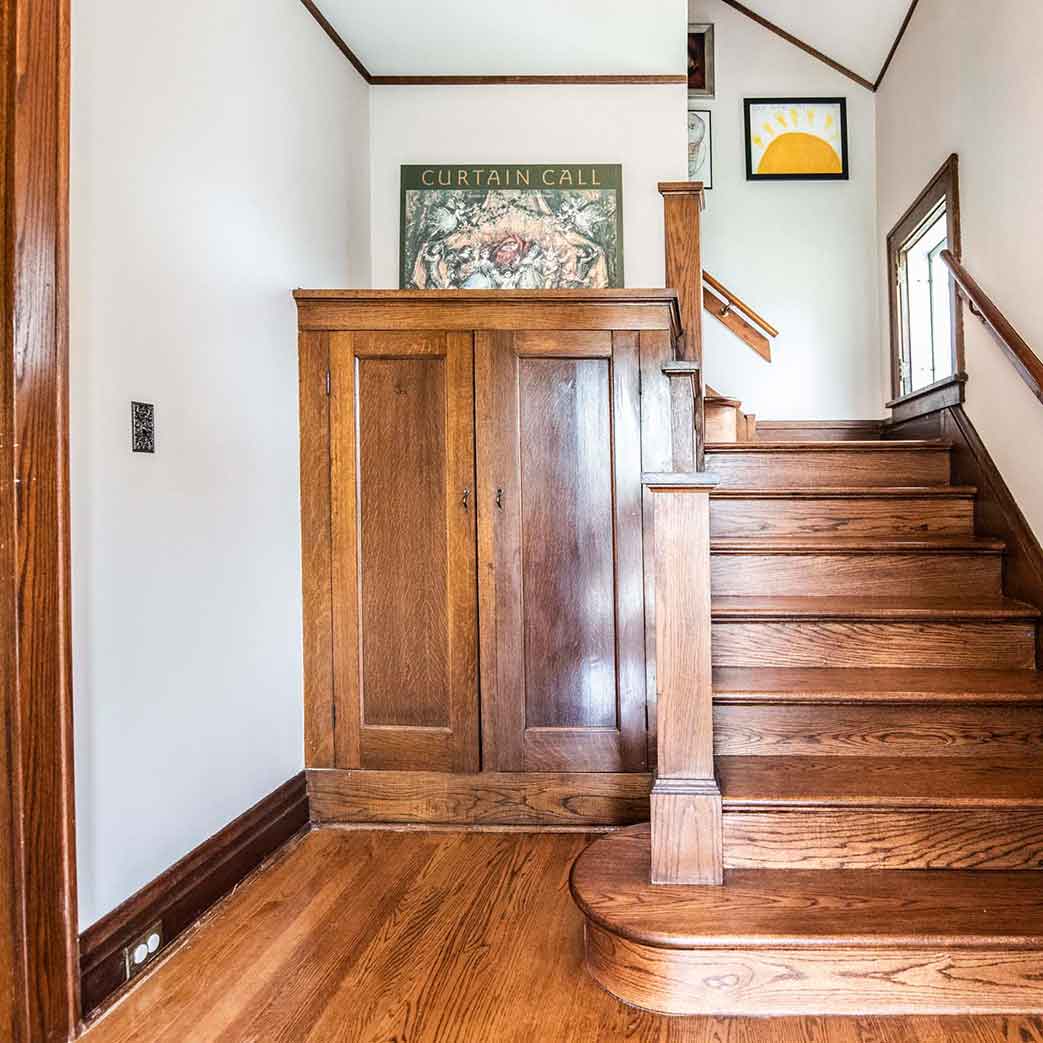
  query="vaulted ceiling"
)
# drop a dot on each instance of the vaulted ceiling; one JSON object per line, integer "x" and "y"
{"x": 856, "y": 33}
{"x": 588, "y": 37}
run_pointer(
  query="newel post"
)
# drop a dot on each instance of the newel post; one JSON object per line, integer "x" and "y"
{"x": 683, "y": 203}
{"x": 687, "y": 841}
{"x": 687, "y": 845}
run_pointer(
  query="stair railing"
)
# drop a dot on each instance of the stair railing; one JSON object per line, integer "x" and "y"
{"x": 1014, "y": 346}
{"x": 727, "y": 307}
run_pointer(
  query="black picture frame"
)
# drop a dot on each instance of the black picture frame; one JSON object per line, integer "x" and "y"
{"x": 845, "y": 171}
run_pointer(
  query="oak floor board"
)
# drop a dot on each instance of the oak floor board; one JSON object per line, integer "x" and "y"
{"x": 434, "y": 937}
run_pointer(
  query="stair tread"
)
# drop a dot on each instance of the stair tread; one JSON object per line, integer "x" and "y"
{"x": 881, "y": 684}
{"x": 854, "y": 492}
{"x": 722, "y": 400}
{"x": 787, "y": 908}
{"x": 889, "y": 544}
{"x": 822, "y": 446}
{"x": 727, "y": 608}
{"x": 876, "y": 782}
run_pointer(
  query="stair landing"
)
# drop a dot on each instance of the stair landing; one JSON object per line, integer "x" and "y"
{"x": 774, "y": 942}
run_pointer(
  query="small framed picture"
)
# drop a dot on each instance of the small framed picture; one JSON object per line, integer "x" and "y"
{"x": 796, "y": 139}
{"x": 700, "y": 146}
{"x": 700, "y": 61}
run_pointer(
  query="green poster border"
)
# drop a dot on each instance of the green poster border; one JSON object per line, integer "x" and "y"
{"x": 612, "y": 173}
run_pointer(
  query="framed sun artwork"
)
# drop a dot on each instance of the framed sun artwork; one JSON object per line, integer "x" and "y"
{"x": 796, "y": 139}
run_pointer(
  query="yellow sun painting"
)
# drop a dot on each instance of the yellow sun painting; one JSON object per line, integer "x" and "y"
{"x": 796, "y": 138}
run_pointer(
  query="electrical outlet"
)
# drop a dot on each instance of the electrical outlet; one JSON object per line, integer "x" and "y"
{"x": 142, "y": 951}
{"x": 142, "y": 427}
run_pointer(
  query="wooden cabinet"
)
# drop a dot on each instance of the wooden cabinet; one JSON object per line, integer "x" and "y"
{"x": 474, "y": 479}
{"x": 403, "y": 548}
{"x": 562, "y": 622}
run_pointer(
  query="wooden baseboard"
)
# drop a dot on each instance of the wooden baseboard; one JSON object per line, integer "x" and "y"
{"x": 178, "y": 897}
{"x": 488, "y": 798}
{"x": 996, "y": 512}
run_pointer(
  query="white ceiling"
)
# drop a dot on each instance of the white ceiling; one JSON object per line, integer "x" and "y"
{"x": 856, "y": 33}
{"x": 585, "y": 37}
{"x": 523, "y": 37}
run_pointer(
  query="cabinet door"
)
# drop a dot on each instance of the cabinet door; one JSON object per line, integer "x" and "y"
{"x": 404, "y": 552}
{"x": 562, "y": 617}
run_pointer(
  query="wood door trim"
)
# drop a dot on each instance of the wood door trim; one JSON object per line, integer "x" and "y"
{"x": 38, "y": 940}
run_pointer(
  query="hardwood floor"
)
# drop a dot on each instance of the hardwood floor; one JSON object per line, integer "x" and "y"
{"x": 430, "y": 937}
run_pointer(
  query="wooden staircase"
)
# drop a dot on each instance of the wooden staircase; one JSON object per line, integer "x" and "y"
{"x": 878, "y": 742}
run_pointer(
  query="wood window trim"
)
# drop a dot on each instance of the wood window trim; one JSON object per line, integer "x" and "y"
{"x": 945, "y": 184}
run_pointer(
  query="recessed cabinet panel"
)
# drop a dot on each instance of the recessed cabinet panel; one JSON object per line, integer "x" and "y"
{"x": 559, "y": 465}
{"x": 404, "y": 584}
{"x": 403, "y": 542}
{"x": 566, "y": 510}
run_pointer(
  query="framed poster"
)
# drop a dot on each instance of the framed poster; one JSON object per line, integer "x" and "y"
{"x": 796, "y": 139}
{"x": 511, "y": 227}
{"x": 700, "y": 146}
{"x": 700, "y": 61}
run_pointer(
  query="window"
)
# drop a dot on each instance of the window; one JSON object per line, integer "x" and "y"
{"x": 926, "y": 327}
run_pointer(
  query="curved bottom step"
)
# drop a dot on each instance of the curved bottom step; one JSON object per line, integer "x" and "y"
{"x": 810, "y": 942}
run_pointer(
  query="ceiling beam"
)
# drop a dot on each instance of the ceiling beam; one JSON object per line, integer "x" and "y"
{"x": 332, "y": 33}
{"x": 894, "y": 46}
{"x": 797, "y": 42}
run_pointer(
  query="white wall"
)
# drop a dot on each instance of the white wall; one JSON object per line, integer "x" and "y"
{"x": 803, "y": 254}
{"x": 969, "y": 83}
{"x": 219, "y": 158}
{"x": 642, "y": 127}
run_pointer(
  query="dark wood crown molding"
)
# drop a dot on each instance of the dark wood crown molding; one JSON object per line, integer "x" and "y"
{"x": 824, "y": 58}
{"x": 467, "y": 81}
{"x": 894, "y": 46}
{"x": 797, "y": 42}
{"x": 652, "y": 78}
{"x": 337, "y": 39}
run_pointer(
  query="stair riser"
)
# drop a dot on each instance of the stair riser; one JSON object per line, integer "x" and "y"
{"x": 1001, "y": 646}
{"x": 832, "y": 838}
{"x": 835, "y": 979}
{"x": 930, "y": 516}
{"x": 867, "y": 575}
{"x": 877, "y": 731}
{"x": 820, "y": 431}
{"x": 796, "y": 469}
{"x": 722, "y": 424}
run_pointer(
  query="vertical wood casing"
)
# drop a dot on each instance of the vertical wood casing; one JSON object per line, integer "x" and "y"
{"x": 314, "y": 361}
{"x": 683, "y": 202}
{"x": 39, "y": 997}
{"x": 686, "y": 800}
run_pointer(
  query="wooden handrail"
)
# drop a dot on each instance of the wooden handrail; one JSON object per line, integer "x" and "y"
{"x": 1022, "y": 357}
{"x": 737, "y": 302}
